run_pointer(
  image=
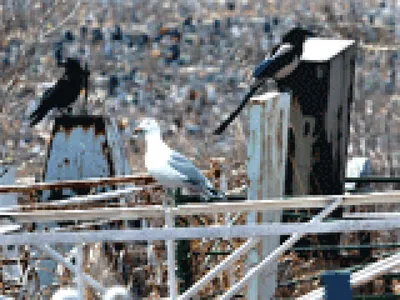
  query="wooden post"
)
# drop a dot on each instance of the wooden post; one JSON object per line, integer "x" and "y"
{"x": 267, "y": 148}
{"x": 322, "y": 90}
{"x": 81, "y": 147}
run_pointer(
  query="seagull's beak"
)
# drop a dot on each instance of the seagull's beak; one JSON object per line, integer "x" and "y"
{"x": 138, "y": 130}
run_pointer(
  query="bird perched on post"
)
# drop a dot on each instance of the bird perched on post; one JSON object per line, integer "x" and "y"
{"x": 64, "y": 92}
{"x": 284, "y": 60}
{"x": 170, "y": 168}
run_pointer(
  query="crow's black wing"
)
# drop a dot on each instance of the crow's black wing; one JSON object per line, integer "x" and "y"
{"x": 64, "y": 92}
{"x": 44, "y": 107}
{"x": 49, "y": 100}
{"x": 68, "y": 91}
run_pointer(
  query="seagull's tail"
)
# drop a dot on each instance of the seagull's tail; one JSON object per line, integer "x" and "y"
{"x": 214, "y": 194}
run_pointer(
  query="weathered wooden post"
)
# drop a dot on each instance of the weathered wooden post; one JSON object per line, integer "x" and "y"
{"x": 321, "y": 90}
{"x": 81, "y": 147}
{"x": 267, "y": 148}
{"x": 8, "y": 175}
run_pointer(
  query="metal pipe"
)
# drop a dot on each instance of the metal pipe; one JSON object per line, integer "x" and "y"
{"x": 80, "y": 284}
{"x": 58, "y": 257}
{"x": 363, "y": 276}
{"x": 194, "y": 209}
{"x": 372, "y": 215}
{"x": 169, "y": 222}
{"x": 215, "y": 246}
{"x": 238, "y": 231}
{"x": 279, "y": 251}
{"x": 344, "y": 247}
{"x": 227, "y": 262}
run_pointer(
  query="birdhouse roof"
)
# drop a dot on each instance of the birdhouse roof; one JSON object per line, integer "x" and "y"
{"x": 324, "y": 49}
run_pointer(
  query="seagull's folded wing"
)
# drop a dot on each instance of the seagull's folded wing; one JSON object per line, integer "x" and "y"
{"x": 187, "y": 169}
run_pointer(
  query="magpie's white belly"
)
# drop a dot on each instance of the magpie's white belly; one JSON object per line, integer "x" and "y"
{"x": 285, "y": 71}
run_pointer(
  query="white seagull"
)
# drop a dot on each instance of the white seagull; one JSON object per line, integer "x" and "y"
{"x": 170, "y": 168}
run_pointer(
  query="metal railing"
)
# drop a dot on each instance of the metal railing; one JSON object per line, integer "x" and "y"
{"x": 170, "y": 233}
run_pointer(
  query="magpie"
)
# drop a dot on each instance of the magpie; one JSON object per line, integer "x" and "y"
{"x": 64, "y": 92}
{"x": 284, "y": 60}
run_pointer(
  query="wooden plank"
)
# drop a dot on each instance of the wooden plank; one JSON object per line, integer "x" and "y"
{"x": 112, "y": 213}
{"x": 157, "y": 211}
{"x": 77, "y": 200}
{"x": 82, "y": 183}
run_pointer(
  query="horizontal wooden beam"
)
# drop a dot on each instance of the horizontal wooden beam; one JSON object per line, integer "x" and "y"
{"x": 156, "y": 211}
{"x": 285, "y": 203}
{"x": 76, "y": 200}
{"x": 109, "y": 213}
{"x": 76, "y": 184}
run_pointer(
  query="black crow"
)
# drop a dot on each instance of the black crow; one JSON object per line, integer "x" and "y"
{"x": 63, "y": 93}
{"x": 284, "y": 60}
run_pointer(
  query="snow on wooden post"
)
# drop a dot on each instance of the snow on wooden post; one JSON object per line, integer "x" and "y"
{"x": 267, "y": 151}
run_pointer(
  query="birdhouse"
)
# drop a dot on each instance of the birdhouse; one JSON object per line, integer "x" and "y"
{"x": 322, "y": 90}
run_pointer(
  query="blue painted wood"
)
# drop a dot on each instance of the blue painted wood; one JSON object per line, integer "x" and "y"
{"x": 337, "y": 285}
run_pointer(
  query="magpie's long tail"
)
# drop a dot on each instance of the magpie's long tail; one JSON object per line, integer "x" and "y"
{"x": 233, "y": 115}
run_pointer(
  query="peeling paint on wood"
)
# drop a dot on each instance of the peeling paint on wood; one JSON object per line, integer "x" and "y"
{"x": 269, "y": 115}
{"x": 81, "y": 147}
